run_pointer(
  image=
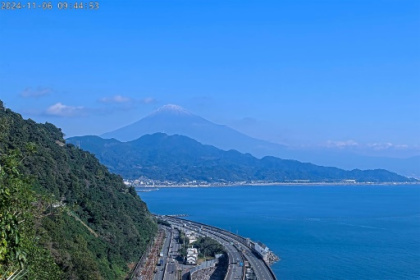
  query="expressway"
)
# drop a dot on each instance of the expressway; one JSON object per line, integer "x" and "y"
{"x": 235, "y": 257}
{"x": 260, "y": 268}
{"x": 160, "y": 269}
{"x": 236, "y": 247}
{"x": 169, "y": 267}
{"x": 172, "y": 265}
{"x": 235, "y": 271}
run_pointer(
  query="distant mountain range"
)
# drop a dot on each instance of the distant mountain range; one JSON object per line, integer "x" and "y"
{"x": 181, "y": 159}
{"x": 173, "y": 119}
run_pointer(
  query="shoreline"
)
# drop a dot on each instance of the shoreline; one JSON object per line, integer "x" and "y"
{"x": 280, "y": 184}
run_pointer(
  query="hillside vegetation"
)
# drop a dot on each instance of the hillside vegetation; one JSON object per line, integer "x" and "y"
{"x": 63, "y": 214}
{"x": 181, "y": 159}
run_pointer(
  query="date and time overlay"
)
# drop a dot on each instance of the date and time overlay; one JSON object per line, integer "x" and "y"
{"x": 49, "y": 5}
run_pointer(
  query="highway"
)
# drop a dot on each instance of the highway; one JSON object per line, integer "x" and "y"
{"x": 160, "y": 269}
{"x": 236, "y": 248}
{"x": 171, "y": 252}
{"x": 167, "y": 270}
{"x": 256, "y": 263}
{"x": 235, "y": 271}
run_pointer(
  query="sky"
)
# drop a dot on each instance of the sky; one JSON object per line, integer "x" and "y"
{"x": 335, "y": 74}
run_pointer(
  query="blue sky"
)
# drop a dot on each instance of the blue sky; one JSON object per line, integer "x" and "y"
{"x": 305, "y": 73}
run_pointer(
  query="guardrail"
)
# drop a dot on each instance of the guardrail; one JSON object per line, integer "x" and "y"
{"x": 228, "y": 272}
{"x": 270, "y": 270}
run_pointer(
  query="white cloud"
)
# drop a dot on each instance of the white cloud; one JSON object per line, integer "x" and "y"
{"x": 148, "y": 100}
{"x": 119, "y": 99}
{"x": 342, "y": 144}
{"x": 386, "y": 146}
{"x": 62, "y": 110}
{"x": 38, "y": 92}
{"x": 376, "y": 146}
{"x": 115, "y": 99}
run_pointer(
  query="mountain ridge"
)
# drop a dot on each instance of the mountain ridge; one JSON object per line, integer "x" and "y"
{"x": 173, "y": 119}
{"x": 179, "y": 158}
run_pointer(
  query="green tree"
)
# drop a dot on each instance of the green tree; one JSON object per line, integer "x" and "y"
{"x": 68, "y": 205}
{"x": 15, "y": 209}
{"x": 21, "y": 255}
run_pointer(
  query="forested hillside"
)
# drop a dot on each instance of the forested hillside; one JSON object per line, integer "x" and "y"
{"x": 181, "y": 159}
{"x": 81, "y": 221}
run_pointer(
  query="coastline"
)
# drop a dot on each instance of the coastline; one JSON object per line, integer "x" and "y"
{"x": 298, "y": 222}
{"x": 280, "y": 184}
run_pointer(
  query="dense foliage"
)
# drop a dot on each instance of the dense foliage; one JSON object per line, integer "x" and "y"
{"x": 208, "y": 247}
{"x": 21, "y": 253}
{"x": 181, "y": 159}
{"x": 91, "y": 224}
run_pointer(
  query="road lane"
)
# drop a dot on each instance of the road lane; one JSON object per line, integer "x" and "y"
{"x": 235, "y": 247}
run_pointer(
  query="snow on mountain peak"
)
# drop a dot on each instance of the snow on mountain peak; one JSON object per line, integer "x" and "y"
{"x": 172, "y": 108}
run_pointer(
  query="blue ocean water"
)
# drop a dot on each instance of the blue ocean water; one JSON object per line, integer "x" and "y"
{"x": 319, "y": 232}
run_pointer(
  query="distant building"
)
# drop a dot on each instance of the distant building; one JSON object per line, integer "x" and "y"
{"x": 350, "y": 181}
{"x": 192, "y": 256}
{"x": 248, "y": 242}
{"x": 191, "y": 236}
{"x": 262, "y": 250}
{"x": 192, "y": 239}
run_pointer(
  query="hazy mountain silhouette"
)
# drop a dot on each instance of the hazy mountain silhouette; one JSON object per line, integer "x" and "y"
{"x": 182, "y": 159}
{"x": 173, "y": 119}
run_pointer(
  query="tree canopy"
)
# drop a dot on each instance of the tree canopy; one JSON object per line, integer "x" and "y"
{"x": 62, "y": 209}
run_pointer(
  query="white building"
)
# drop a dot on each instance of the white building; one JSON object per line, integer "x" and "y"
{"x": 262, "y": 250}
{"x": 192, "y": 256}
{"x": 191, "y": 236}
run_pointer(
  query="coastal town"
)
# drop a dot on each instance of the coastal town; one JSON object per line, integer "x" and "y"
{"x": 144, "y": 184}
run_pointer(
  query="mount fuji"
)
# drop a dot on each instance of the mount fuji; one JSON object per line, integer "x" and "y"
{"x": 175, "y": 120}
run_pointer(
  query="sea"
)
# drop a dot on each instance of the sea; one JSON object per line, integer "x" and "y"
{"x": 319, "y": 232}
